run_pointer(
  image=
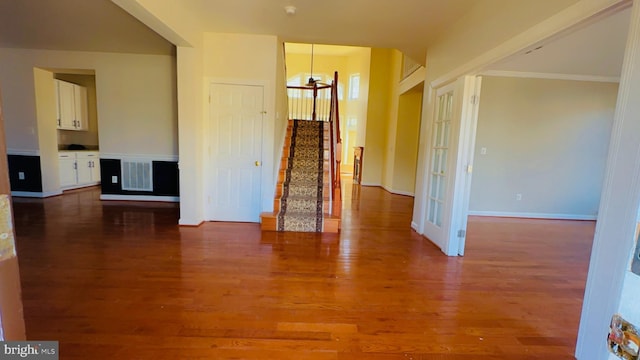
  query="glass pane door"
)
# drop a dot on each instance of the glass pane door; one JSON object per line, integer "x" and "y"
{"x": 439, "y": 152}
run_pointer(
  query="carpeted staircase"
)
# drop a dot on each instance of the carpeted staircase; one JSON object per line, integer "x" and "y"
{"x": 301, "y": 201}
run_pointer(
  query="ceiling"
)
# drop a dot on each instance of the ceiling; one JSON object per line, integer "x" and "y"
{"x": 100, "y": 25}
{"x": 319, "y": 49}
{"x": 595, "y": 50}
{"x": 82, "y": 25}
{"x": 408, "y": 25}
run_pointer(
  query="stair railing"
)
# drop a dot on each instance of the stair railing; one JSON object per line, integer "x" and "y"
{"x": 320, "y": 103}
{"x": 336, "y": 142}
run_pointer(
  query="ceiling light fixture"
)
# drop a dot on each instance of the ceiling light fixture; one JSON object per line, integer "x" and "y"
{"x": 290, "y": 10}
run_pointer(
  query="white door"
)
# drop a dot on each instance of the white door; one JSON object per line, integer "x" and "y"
{"x": 440, "y": 159}
{"x": 236, "y": 113}
{"x": 68, "y": 170}
{"x": 449, "y": 168}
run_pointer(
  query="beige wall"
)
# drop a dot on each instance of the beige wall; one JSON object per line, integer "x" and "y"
{"x": 407, "y": 134}
{"x": 136, "y": 99}
{"x": 377, "y": 116}
{"x": 544, "y": 139}
{"x": 360, "y": 62}
{"x": 394, "y": 74}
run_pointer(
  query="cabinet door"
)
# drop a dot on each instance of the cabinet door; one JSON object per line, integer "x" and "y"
{"x": 66, "y": 105}
{"x": 84, "y": 170}
{"x": 81, "y": 113}
{"x": 68, "y": 173}
{"x": 95, "y": 170}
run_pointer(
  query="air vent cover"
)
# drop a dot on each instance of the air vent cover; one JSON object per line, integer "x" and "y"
{"x": 137, "y": 175}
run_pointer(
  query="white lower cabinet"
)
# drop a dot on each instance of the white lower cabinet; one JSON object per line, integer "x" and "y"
{"x": 79, "y": 168}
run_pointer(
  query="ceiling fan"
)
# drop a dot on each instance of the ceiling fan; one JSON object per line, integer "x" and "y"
{"x": 313, "y": 82}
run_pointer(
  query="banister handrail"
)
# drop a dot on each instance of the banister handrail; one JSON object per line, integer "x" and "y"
{"x": 315, "y": 104}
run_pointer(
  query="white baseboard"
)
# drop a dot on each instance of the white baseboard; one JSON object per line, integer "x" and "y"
{"x": 31, "y": 194}
{"x": 140, "y": 198}
{"x": 370, "y": 184}
{"x": 183, "y": 222}
{"x": 80, "y": 186}
{"x": 414, "y": 226}
{"x": 398, "y": 192}
{"x": 534, "y": 215}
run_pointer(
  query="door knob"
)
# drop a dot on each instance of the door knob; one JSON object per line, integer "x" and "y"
{"x": 258, "y": 163}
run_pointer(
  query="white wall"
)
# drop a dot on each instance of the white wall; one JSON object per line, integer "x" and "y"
{"x": 253, "y": 60}
{"x": 136, "y": 99}
{"x": 546, "y": 140}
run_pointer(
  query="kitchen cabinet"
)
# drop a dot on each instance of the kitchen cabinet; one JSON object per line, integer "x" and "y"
{"x": 88, "y": 167}
{"x": 79, "y": 168}
{"x": 71, "y": 106}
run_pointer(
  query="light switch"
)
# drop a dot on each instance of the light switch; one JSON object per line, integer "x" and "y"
{"x": 483, "y": 151}
{"x": 21, "y": 175}
{"x": 114, "y": 179}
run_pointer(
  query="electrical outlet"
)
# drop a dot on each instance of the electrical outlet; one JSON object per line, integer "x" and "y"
{"x": 518, "y": 197}
{"x": 114, "y": 179}
{"x": 21, "y": 175}
{"x": 483, "y": 151}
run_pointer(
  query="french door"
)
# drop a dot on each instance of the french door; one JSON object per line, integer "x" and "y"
{"x": 449, "y": 165}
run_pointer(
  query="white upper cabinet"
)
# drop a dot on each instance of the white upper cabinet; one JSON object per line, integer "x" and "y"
{"x": 71, "y": 101}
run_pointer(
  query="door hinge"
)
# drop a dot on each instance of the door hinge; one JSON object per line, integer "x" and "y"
{"x": 462, "y": 233}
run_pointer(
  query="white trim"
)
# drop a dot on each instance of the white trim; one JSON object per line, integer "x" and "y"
{"x": 398, "y": 192}
{"x": 551, "y": 76}
{"x": 32, "y": 194}
{"x": 140, "y": 198}
{"x": 23, "y": 152}
{"x": 416, "y": 78}
{"x": 141, "y": 157}
{"x": 415, "y": 226}
{"x": 189, "y": 223}
{"x": 464, "y": 162}
{"x": 615, "y": 231}
{"x": 370, "y": 184}
{"x": 533, "y": 215}
{"x": 581, "y": 13}
{"x": 80, "y": 186}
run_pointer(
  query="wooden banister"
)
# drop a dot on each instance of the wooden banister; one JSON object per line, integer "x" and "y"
{"x": 320, "y": 102}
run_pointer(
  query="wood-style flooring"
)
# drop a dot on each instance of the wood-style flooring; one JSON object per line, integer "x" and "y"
{"x": 116, "y": 280}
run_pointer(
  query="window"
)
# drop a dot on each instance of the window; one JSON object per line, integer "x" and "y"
{"x": 294, "y": 81}
{"x": 354, "y": 86}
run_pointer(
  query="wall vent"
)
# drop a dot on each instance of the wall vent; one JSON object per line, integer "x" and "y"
{"x": 137, "y": 175}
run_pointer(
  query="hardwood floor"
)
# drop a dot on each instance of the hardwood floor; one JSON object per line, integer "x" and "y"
{"x": 121, "y": 281}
